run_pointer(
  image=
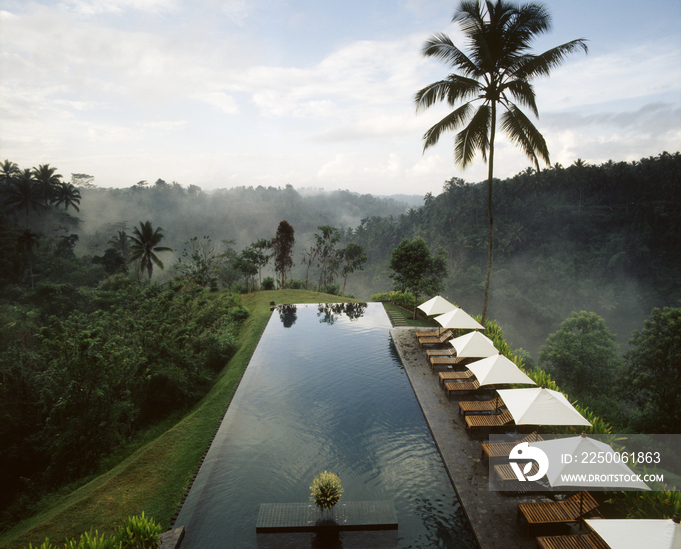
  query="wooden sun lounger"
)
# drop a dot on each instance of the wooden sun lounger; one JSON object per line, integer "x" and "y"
{"x": 510, "y": 482}
{"x": 581, "y": 541}
{"x": 445, "y": 361}
{"x": 429, "y": 333}
{"x": 467, "y": 406}
{"x": 442, "y": 338}
{"x": 440, "y": 352}
{"x": 445, "y": 376}
{"x": 503, "y": 449}
{"x": 555, "y": 512}
{"x": 457, "y": 386}
{"x": 499, "y": 420}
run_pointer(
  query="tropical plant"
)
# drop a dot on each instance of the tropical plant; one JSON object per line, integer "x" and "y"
{"x": 47, "y": 182}
{"x": 282, "y": 244}
{"x": 8, "y": 171}
{"x": 497, "y": 72}
{"x": 353, "y": 258}
{"x": 326, "y": 490}
{"x": 23, "y": 193}
{"x": 416, "y": 269}
{"x": 652, "y": 375}
{"x": 144, "y": 245}
{"x": 66, "y": 194}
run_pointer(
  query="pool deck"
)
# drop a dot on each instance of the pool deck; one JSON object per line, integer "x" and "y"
{"x": 492, "y": 514}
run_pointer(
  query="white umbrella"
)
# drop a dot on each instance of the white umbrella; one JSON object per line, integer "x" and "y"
{"x": 498, "y": 369}
{"x": 474, "y": 344}
{"x": 602, "y": 467}
{"x": 459, "y": 319}
{"x": 436, "y": 306}
{"x": 637, "y": 533}
{"x": 540, "y": 406}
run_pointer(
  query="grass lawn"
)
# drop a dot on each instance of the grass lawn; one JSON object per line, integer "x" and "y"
{"x": 154, "y": 478}
{"x": 408, "y": 315}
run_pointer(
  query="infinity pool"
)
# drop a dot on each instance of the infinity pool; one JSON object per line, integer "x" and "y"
{"x": 325, "y": 390}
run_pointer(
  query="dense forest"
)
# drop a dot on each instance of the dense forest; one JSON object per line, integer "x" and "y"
{"x": 111, "y": 298}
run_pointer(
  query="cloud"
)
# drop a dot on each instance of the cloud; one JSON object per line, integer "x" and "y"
{"x": 96, "y": 7}
{"x": 224, "y": 103}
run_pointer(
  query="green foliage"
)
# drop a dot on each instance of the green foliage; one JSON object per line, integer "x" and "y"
{"x": 268, "y": 283}
{"x": 402, "y": 299}
{"x": 582, "y": 356}
{"x": 657, "y": 504}
{"x": 416, "y": 269}
{"x": 137, "y": 532}
{"x": 652, "y": 376}
{"x": 282, "y": 244}
{"x": 85, "y": 383}
{"x": 326, "y": 490}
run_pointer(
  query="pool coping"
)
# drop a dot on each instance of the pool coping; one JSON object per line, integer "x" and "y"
{"x": 492, "y": 515}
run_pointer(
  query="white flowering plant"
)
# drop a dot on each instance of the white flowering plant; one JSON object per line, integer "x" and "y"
{"x": 326, "y": 490}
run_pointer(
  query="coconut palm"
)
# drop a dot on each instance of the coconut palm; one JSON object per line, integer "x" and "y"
{"x": 23, "y": 193}
{"x": 66, "y": 194}
{"x": 143, "y": 245}
{"x": 496, "y": 72}
{"x": 8, "y": 171}
{"x": 47, "y": 181}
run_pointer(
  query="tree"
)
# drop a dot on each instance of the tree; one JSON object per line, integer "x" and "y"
{"x": 200, "y": 261}
{"x": 47, "y": 182}
{"x": 23, "y": 193}
{"x": 652, "y": 373}
{"x": 582, "y": 356}
{"x": 416, "y": 269}
{"x": 497, "y": 72}
{"x": 353, "y": 258}
{"x": 25, "y": 244}
{"x": 247, "y": 264}
{"x": 283, "y": 249}
{"x": 326, "y": 254}
{"x": 8, "y": 171}
{"x": 262, "y": 259}
{"x": 143, "y": 245}
{"x": 66, "y": 194}
{"x": 120, "y": 244}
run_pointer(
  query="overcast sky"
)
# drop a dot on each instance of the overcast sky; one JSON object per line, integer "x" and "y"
{"x": 308, "y": 92}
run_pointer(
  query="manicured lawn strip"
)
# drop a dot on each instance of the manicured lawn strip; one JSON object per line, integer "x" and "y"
{"x": 408, "y": 315}
{"x": 155, "y": 477}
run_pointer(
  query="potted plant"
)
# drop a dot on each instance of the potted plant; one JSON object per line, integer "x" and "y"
{"x": 326, "y": 490}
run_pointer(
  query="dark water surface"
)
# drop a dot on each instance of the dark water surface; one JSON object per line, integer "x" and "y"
{"x": 325, "y": 390}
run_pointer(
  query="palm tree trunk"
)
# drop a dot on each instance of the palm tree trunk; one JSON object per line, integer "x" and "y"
{"x": 490, "y": 239}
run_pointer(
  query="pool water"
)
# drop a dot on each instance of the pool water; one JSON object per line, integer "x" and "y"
{"x": 325, "y": 390}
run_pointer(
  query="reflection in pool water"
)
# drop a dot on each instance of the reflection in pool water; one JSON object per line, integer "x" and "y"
{"x": 325, "y": 390}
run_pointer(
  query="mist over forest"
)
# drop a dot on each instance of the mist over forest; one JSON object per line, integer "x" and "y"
{"x": 598, "y": 238}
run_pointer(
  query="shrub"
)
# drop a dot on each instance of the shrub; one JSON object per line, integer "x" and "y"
{"x": 401, "y": 299}
{"x": 137, "y": 532}
{"x": 295, "y": 284}
{"x": 268, "y": 283}
{"x": 238, "y": 314}
{"x": 326, "y": 490}
{"x": 332, "y": 289}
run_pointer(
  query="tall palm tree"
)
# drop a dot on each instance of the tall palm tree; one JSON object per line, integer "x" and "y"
{"x": 66, "y": 194}
{"x": 47, "y": 181}
{"x": 144, "y": 244}
{"x": 496, "y": 72}
{"x": 23, "y": 193}
{"x": 8, "y": 171}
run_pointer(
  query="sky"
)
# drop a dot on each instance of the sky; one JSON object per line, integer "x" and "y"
{"x": 311, "y": 93}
